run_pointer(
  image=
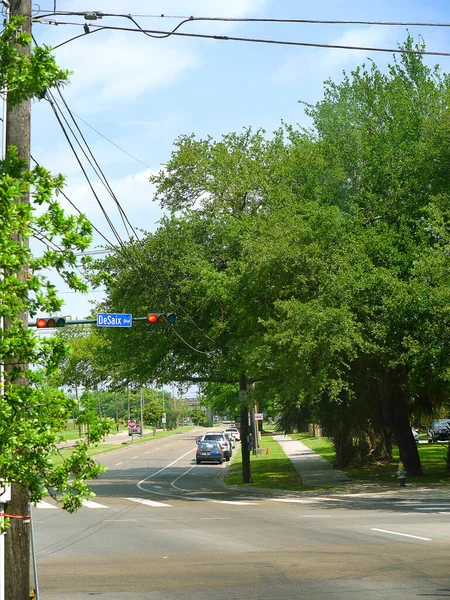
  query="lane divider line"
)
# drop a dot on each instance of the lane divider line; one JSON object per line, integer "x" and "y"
{"x": 416, "y": 537}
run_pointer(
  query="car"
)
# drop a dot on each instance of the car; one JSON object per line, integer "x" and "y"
{"x": 136, "y": 430}
{"x": 224, "y": 441}
{"x": 234, "y": 432}
{"x": 209, "y": 451}
{"x": 438, "y": 430}
{"x": 231, "y": 438}
{"x": 415, "y": 435}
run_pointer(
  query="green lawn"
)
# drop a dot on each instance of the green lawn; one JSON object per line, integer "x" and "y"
{"x": 432, "y": 457}
{"x": 272, "y": 470}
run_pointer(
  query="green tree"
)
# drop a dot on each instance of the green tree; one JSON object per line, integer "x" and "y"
{"x": 32, "y": 412}
{"x": 152, "y": 414}
{"x": 199, "y": 417}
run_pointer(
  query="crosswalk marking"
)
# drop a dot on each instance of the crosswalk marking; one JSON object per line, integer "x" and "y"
{"x": 91, "y": 504}
{"x": 45, "y": 505}
{"x": 149, "y": 502}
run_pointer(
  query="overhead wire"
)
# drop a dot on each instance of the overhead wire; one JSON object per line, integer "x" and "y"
{"x": 254, "y": 40}
{"x": 103, "y": 176}
{"x": 192, "y": 18}
{"x": 69, "y": 141}
{"x": 111, "y": 141}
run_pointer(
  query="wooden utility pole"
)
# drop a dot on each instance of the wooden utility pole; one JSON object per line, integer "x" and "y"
{"x": 17, "y": 542}
{"x": 245, "y": 430}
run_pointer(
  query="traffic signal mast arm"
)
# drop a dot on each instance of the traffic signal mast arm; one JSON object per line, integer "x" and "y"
{"x": 52, "y": 322}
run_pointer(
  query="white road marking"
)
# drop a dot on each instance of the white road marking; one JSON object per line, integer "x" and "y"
{"x": 90, "y": 504}
{"x": 423, "y": 503}
{"x": 416, "y": 537}
{"x": 179, "y": 477}
{"x": 139, "y": 485}
{"x": 121, "y": 463}
{"x": 424, "y": 508}
{"x": 43, "y": 504}
{"x": 134, "y": 457}
{"x": 293, "y": 500}
{"x": 235, "y": 502}
{"x": 149, "y": 502}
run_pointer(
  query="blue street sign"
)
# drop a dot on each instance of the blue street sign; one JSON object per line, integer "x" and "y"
{"x": 114, "y": 320}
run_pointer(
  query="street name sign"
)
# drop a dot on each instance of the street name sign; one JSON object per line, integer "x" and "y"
{"x": 114, "y": 320}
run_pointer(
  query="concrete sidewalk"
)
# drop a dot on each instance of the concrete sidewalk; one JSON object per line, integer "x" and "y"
{"x": 314, "y": 470}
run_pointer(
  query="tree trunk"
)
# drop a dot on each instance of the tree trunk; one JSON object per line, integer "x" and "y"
{"x": 380, "y": 443}
{"x": 397, "y": 418}
{"x": 343, "y": 446}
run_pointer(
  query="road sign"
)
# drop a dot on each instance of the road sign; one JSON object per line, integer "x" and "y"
{"x": 114, "y": 320}
{"x": 258, "y": 416}
{"x": 163, "y": 419}
{"x": 5, "y": 491}
{"x": 131, "y": 423}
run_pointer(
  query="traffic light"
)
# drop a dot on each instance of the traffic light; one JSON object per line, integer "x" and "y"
{"x": 50, "y": 322}
{"x": 170, "y": 318}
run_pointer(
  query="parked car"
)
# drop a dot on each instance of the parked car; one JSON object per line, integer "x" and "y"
{"x": 136, "y": 430}
{"x": 230, "y": 438}
{"x": 415, "y": 435}
{"x": 439, "y": 429}
{"x": 209, "y": 451}
{"x": 224, "y": 442}
{"x": 234, "y": 432}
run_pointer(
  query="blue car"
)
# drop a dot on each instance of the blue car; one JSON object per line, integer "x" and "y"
{"x": 209, "y": 451}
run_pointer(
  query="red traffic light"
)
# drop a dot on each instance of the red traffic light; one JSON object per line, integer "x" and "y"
{"x": 46, "y": 322}
{"x": 162, "y": 318}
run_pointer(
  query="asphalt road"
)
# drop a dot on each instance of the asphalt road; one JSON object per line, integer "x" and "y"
{"x": 164, "y": 528}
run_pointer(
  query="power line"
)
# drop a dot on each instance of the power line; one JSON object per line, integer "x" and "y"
{"x": 60, "y": 191}
{"x": 111, "y": 142}
{"x": 69, "y": 141}
{"x": 252, "y": 40}
{"x": 191, "y": 18}
{"x": 103, "y": 179}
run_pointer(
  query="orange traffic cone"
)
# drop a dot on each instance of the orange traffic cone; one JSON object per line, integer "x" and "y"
{"x": 267, "y": 450}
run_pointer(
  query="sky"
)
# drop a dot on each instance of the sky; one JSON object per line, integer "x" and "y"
{"x": 142, "y": 93}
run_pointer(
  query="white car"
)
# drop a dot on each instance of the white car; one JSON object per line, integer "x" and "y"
{"x": 234, "y": 432}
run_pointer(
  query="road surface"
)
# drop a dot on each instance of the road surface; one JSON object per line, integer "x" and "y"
{"x": 161, "y": 527}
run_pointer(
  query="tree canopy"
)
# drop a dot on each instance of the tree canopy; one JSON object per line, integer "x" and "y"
{"x": 315, "y": 261}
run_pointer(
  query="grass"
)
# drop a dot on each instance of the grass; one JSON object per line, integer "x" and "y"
{"x": 273, "y": 470}
{"x": 432, "y": 457}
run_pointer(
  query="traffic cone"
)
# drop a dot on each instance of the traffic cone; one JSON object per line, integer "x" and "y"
{"x": 267, "y": 450}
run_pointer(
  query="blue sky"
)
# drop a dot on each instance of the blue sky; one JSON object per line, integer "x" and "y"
{"x": 143, "y": 93}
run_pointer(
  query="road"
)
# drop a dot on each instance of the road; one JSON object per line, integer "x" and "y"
{"x": 164, "y": 528}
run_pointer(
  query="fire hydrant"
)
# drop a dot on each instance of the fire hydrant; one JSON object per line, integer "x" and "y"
{"x": 401, "y": 475}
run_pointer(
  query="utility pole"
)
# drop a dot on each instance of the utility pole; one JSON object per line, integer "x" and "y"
{"x": 18, "y": 539}
{"x": 245, "y": 430}
{"x": 142, "y": 411}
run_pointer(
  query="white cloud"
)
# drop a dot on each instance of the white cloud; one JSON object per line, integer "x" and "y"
{"x": 121, "y": 67}
{"x": 323, "y": 63}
